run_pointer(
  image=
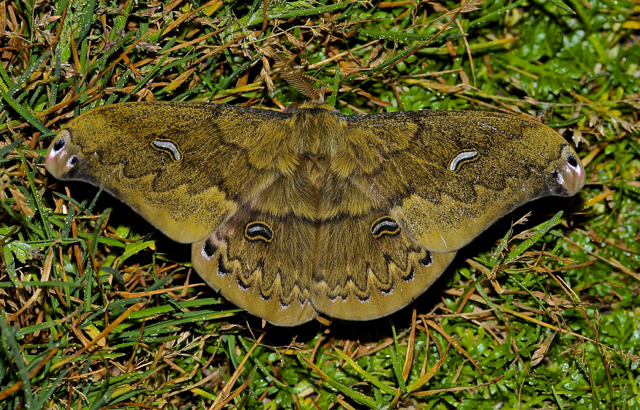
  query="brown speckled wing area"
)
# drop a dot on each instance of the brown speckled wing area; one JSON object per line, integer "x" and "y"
{"x": 361, "y": 277}
{"x": 266, "y": 271}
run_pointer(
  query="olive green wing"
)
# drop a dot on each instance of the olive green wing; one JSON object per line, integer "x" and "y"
{"x": 446, "y": 176}
{"x": 185, "y": 167}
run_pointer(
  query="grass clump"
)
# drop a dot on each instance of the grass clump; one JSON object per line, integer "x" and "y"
{"x": 98, "y": 310}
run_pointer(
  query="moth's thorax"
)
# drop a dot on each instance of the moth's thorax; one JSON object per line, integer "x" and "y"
{"x": 316, "y": 169}
{"x": 316, "y": 129}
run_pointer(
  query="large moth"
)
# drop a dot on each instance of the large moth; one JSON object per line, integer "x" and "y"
{"x": 292, "y": 214}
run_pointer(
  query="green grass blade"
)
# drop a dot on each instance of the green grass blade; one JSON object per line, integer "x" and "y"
{"x": 539, "y": 232}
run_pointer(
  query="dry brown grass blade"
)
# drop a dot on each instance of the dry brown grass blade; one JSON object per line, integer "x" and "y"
{"x": 198, "y": 383}
{"x": 454, "y": 389}
{"x": 455, "y": 344}
{"x": 611, "y": 260}
{"x": 46, "y": 272}
{"x": 428, "y": 375}
{"x": 177, "y": 82}
{"x": 3, "y": 15}
{"x": 127, "y": 295}
{"x": 189, "y": 15}
{"x": 18, "y": 385}
{"x": 195, "y": 41}
{"x": 539, "y": 353}
{"x": 488, "y": 273}
{"x": 224, "y": 395}
{"x": 408, "y": 359}
{"x": 235, "y": 393}
{"x": 101, "y": 335}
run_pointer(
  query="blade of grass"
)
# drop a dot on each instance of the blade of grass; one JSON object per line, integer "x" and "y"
{"x": 385, "y": 388}
{"x": 540, "y": 231}
{"x": 358, "y": 397}
{"x": 10, "y": 340}
{"x": 24, "y": 113}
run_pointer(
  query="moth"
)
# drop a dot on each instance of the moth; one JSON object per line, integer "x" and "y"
{"x": 311, "y": 211}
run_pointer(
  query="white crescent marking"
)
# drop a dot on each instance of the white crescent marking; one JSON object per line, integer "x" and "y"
{"x": 462, "y": 156}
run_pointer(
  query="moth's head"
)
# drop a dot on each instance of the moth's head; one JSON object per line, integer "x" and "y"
{"x": 567, "y": 175}
{"x": 62, "y": 156}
